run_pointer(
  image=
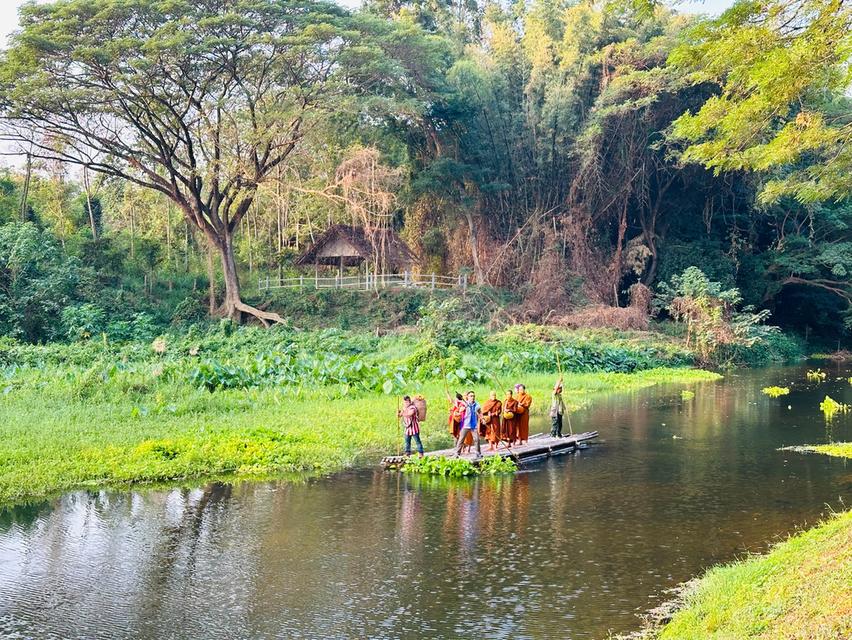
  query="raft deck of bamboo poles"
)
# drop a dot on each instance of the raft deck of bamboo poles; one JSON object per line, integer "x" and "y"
{"x": 538, "y": 447}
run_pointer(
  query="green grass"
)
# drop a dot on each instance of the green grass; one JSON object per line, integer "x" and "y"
{"x": 802, "y": 588}
{"x": 61, "y": 429}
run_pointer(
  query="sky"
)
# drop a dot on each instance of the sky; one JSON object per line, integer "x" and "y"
{"x": 9, "y": 12}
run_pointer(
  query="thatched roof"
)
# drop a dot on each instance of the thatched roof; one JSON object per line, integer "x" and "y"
{"x": 351, "y": 244}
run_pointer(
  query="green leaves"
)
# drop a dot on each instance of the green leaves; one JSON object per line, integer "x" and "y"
{"x": 779, "y": 66}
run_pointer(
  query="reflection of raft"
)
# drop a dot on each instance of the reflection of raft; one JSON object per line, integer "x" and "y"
{"x": 539, "y": 447}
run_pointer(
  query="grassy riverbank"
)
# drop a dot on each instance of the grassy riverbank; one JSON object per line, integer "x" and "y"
{"x": 802, "y": 588}
{"x": 254, "y": 403}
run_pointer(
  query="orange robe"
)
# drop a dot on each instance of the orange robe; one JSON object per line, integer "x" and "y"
{"x": 455, "y": 427}
{"x": 524, "y": 403}
{"x": 509, "y": 428}
{"x": 491, "y": 425}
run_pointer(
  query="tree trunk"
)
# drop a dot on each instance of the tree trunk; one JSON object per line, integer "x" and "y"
{"x": 211, "y": 281}
{"x": 474, "y": 249}
{"x": 232, "y": 280}
{"x": 233, "y": 307}
{"x": 88, "y": 188}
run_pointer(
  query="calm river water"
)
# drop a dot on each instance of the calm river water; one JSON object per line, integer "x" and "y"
{"x": 573, "y": 548}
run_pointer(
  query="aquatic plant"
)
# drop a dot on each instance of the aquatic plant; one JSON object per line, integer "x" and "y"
{"x": 836, "y": 449}
{"x": 817, "y": 375}
{"x": 496, "y": 465}
{"x": 830, "y": 407}
{"x": 458, "y": 467}
{"x": 774, "y": 392}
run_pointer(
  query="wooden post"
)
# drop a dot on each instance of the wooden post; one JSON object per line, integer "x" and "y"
{"x": 301, "y": 282}
{"x": 267, "y": 282}
{"x": 464, "y": 283}
{"x": 433, "y": 282}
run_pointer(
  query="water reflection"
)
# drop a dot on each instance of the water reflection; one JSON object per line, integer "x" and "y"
{"x": 572, "y": 548}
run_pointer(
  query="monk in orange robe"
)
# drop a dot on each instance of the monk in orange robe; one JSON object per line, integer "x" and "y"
{"x": 491, "y": 411}
{"x": 524, "y": 403}
{"x": 509, "y": 428}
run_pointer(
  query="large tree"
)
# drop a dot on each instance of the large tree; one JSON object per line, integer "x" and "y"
{"x": 199, "y": 100}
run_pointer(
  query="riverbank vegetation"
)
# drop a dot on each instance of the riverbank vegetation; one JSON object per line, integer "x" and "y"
{"x": 802, "y": 588}
{"x": 249, "y": 401}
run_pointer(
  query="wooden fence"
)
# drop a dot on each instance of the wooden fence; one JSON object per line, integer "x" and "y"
{"x": 366, "y": 282}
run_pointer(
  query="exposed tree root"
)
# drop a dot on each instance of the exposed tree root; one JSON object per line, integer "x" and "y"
{"x": 265, "y": 317}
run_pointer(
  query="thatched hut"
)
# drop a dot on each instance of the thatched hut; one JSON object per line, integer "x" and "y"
{"x": 346, "y": 246}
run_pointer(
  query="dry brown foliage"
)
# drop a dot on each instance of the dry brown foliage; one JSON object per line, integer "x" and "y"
{"x": 547, "y": 294}
{"x": 636, "y": 316}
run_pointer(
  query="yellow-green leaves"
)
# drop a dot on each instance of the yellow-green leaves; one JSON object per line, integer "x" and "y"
{"x": 777, "y": 65}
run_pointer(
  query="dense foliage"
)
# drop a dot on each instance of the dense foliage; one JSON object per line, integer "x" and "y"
{"x": 558, "y": 152}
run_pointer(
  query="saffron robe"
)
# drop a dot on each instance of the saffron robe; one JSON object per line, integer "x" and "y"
{"x": 458, "y": 408}
{"x": 491, "y": 424}
{"x": 524, "y": 403}
{"x": 509, "y": 427}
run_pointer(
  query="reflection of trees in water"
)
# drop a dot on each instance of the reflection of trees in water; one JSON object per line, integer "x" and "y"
{"x": 173, "y": 559}
{"x": 24, "y": 516}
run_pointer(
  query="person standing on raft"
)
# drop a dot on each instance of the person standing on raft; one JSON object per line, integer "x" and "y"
{"x": 411, "y": 421}
{"x": 470, "y": 425}
{"x": 509, "y": 427}
{"x": 457, "y": 409}
{"x": 523, "y": 414}
{"x": 557, "y": 410}
{"x": 491, "y": 411}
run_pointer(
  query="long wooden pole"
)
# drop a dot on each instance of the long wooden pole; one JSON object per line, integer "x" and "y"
{"x": 562, "y": 380}
{"x": 398, "y": 426}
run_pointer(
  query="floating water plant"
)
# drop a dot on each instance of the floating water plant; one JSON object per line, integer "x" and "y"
{"x": 774, "y": 392}
{"x": 817, "y": 375}
{"x": 830, "y": 407}
{"x": 687, "y": 395}
{"x": 459, "y": 467}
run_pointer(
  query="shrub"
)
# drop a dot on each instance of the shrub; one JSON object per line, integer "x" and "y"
{"x": 82, "y": 321}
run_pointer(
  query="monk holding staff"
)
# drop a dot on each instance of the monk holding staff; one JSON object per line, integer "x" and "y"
{"x": 491, "y": 411}
{"x": 523, "y": 413}
{"x": 509, "y": 428}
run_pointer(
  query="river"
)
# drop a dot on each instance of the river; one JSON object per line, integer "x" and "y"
{"x": 572, "y": 548}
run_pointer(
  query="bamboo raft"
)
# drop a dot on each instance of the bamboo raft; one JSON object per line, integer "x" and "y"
{"x": 537, "y": 448}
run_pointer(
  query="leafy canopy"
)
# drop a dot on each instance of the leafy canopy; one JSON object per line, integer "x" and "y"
{"x": 781, "y": 69}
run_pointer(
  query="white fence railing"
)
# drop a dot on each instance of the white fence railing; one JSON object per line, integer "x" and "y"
{"x": 366, "y": 282}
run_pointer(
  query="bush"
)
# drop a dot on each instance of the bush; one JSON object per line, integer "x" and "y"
{"x": 82, "y": 321}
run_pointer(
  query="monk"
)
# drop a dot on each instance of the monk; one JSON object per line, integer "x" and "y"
{"x": 491, "y": 411}
{"x": 524, "y": 403}
{"x": 509, "y": 427}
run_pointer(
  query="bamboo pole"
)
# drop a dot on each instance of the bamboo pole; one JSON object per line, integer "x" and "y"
{"x": 561, "y": 382}
{"x": 399, "y": 427}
